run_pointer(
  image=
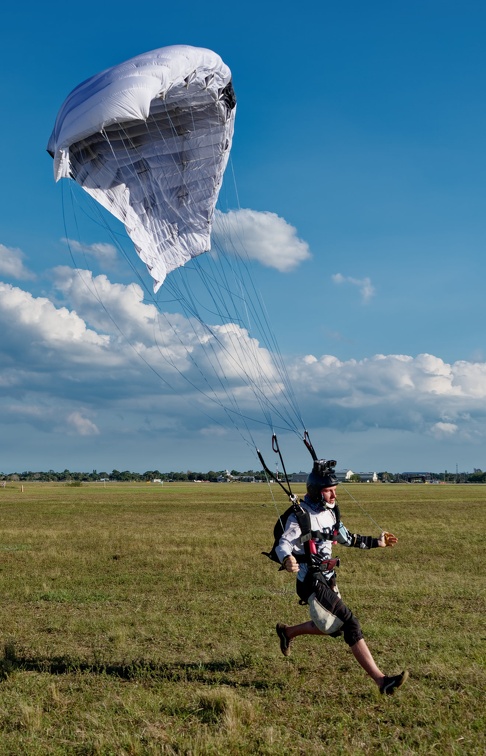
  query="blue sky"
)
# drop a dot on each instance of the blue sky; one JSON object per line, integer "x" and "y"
{"x": 359, "y": 130}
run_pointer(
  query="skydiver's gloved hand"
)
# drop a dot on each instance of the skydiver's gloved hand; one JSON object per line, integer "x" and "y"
{"x": 290, "y": 564}
{"x": 387, "y": 539}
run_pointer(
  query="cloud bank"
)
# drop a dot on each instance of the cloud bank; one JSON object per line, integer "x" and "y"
{"x": 92, "y": 362}
{"x": 66, "y": 369}
{"x": 421, "y": 394}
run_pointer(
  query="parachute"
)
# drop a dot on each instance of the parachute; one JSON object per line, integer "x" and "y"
{"x": 150, "y": 139}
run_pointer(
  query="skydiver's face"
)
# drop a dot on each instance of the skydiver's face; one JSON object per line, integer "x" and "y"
{"x": 329, "y": 496}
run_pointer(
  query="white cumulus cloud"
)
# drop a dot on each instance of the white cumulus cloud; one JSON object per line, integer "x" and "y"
{"x": 38, "y": 319}
{"x": 444, "y": 430}
{"x": 12, "y": 264}
{"x": 366, "y": 288}
{"x": 82, "y": 425}
{"x": 105, "y": 305}
{"x": 262, "y": 236}
{"x": 104, "y": 253}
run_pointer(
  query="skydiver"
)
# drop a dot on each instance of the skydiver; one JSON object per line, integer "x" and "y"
{"x": 316, "y": 577}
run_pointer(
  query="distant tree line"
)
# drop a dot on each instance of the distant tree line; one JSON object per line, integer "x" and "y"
{"x": 68, "y": 476}
{"x": 212, "y": 476}
{"x": 478, "y": 476}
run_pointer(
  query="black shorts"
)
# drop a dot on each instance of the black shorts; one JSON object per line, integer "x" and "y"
{"x": 327, "y": 610}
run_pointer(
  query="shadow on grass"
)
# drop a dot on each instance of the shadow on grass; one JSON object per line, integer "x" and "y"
{"x": 209, "y": 673}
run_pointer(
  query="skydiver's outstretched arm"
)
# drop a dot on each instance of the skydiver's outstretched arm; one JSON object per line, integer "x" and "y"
{"x": 364, "y": 542}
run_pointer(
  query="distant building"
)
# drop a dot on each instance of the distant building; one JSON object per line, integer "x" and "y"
{"x": 417, "y": 477}
{"x": 366, "y": 477}
{"x": 227, "y": 478}
{"x": 299, "y": 477}
{"x": 341, "y": 475}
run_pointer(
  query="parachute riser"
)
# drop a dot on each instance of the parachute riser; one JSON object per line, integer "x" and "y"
{"x": 308, "y": 444}
{"x": 271, "y": 476}
{"x": 276, "y": 448}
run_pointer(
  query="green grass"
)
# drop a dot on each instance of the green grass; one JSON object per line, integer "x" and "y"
{"x": 140, "y": 619}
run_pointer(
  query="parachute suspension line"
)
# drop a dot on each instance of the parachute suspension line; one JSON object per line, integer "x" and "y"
{"x": 251, "y": 365}
{"x": 224, "y": 317}
{"x": 99, "y": 219}
{"x": 279, "y": 362}
{"x": 269, "y": 479}
{"x": 274, "y": 501}
{"x": 238, "y": 205}
{"x": 256, "y": 374}
{"x": 188, "y": 308}
{"x": 210, "y": 394}
{"x": 263, "y": 331}
{"x": 96, "y": 295}
{"x": 218, "y": 376}
{"x": 362, "y": 508}
{"x": 261, "y": 317}
{"x": 99, "y": 298}
{"x": 266, "y": 338}
{"x": 226, "y": 346}
{"x": 191, "y": 309}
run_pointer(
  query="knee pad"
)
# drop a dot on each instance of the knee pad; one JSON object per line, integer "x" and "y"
{"x": 352, "y": 631}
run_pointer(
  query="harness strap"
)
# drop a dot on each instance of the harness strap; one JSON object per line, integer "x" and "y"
{"x": 326, "y": 565}
{"x": 323, "y": 535}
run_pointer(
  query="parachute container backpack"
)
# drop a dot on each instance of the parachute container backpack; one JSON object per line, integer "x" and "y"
{"x": 152, "y": 132}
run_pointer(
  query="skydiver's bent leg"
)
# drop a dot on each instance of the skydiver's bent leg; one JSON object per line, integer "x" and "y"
{"x": 331, "y": 615}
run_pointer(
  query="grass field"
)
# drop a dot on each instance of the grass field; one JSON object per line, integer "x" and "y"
{"x": 139, "y": 619}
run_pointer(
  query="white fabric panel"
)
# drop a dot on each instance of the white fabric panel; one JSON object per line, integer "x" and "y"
{"x": 150, "y": 140}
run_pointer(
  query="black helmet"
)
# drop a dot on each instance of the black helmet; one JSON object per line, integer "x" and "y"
{"x": 322, "y": 476}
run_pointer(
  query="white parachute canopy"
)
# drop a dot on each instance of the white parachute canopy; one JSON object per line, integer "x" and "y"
{"x": 149, "y": 139}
